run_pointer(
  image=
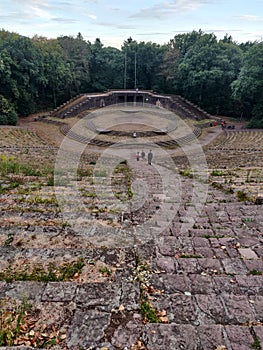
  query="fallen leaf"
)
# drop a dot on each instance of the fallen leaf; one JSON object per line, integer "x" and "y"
{"x": 162, "y": 313}
{"x": 164, "y": 319}
{"x": 121, "y": 308}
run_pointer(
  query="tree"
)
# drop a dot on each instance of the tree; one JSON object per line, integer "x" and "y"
{"x": 206, "y": 72}
{"x": 7, "y": 112}
{"x": 248, "y": 87}
{"x": 76, "y": 51}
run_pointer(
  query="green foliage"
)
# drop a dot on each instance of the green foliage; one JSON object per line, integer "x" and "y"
{"x": 38, "y": 273}
{"x": 105, "y": 271}
{"x": 219, "y": 75}
{"x": 187, "y": 173}
{"x": 256, "y": 123}
{"x": 248, "y": 87}
{"x": 11, "y": 320}
{"x": 242, "y": 196}
{"x": 216, "y": 173}
{"x": 255, "y": 272}
{"x": 149, "y": 313}
{"x": 256, "y": 344}
{"x": 8, "y": 115}
{"x": 9, "y": 165}
{"x": 191, "y": 256}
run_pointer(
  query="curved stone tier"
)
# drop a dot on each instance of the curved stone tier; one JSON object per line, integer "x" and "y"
{"x": 109, "y": 126}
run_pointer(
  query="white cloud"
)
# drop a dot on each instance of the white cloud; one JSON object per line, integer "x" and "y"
{"x": 250, "y": 18}
{"x": 94, "y": 17}
{"x": 168, "y": 8}
{"x": 39, "y": 12}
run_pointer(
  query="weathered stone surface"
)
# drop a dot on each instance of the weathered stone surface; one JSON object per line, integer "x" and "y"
{"x": 234, "y": 266}
{"x": 103, "y": 296}
{"x": 166, "y": 264}
{"x": 211, "y": 336}
{"x": 2, "y": 289}
{"x": 211, "y": 309}
{"x": 254, "y": 265}
{"x": 174, "y": 283}
{"x": 258, "y": 307}
{"x": 240, "y": 337}
{"x": 176, "y": 337}
{"x": 31, "y": 290}
{"x": 211, "y": 266}
{"x": 130, "y": 296}
{"x": 179, "y": 309}
{"x": 227, "y": 284}
{"x": 205, "y": 279}
{"x": 247, "y": 253}
{"x": 250, "y": 284}
{"x": 127, "y": 334}
{"x": 201, "y": 284}
{"x": 186, "y": 266}
{"x": 59, "y": 291}
{"x": 169, "y": 246}
{"x": 238, "y": 309}
{"x": 87, "y": 329}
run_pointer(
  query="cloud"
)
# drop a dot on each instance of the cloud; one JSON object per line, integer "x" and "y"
{"x": 94, "y": 17}
{"x": 169, "y": 8}
{"x": 249, "y": 18}
{"x": 155, "y": 33}
{"x": 64, "y": 20}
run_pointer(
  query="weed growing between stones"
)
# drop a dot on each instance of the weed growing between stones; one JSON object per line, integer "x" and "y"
{"x": 242, "y": 196}
{"x": 12, "y": 320}
{"x": 256, "y": 344}
{"x": 9, "y": 165}
{"x": 255, "y": 272}
{"x": 149, "y": 313}
{"x": 216, "y": 173}
{"x": 105, "y": 271}
{"x": 187, "y": 173}
{"x": 9, "y": 240}
{"x": 191, "y": 256}
{"x": 19, "y": 326}
{"x": 52, "y": 273}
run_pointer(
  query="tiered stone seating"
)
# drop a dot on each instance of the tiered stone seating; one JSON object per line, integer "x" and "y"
{"x": 85, "y": 102}
{"x": 243, "y": 140}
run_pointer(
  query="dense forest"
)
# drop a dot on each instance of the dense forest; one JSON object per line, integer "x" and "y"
{"x": 221, "y": 76}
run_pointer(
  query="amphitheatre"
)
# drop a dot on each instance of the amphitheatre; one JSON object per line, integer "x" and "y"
{"x": 102, "y": 251}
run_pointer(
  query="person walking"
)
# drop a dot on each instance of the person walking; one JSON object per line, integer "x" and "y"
{"x": 150, "y": 157}
{"x": 143, "y": 155}
{"x": 138, "y": 156}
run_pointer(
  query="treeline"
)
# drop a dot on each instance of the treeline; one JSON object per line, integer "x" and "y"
{"x": 221, "y": 76}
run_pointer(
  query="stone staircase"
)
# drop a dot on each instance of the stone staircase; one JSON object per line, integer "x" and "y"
{"x": 203, "y": 284}
{"x": 86, "y": 102}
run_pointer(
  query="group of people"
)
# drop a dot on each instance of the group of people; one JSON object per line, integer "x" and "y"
{"x": 142, "y": 155}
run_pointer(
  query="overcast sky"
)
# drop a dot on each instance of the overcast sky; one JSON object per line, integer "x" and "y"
{"x": 113, "y": 21}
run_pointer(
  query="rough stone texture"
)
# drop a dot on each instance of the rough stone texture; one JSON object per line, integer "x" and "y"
{"x": 239, "y": 337}
{"x": 58, "y": 291}
{"x": 99, "y": 295}
{"x": 176, "y": 337}
{"x": 30, "y": 290}
{"x": 205, "y": 283}
{"x": 128, "y": 334}
{"x": 87, "y": 329}
{"x": 211, "y": 336}
{"x": 247, "y": 253}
